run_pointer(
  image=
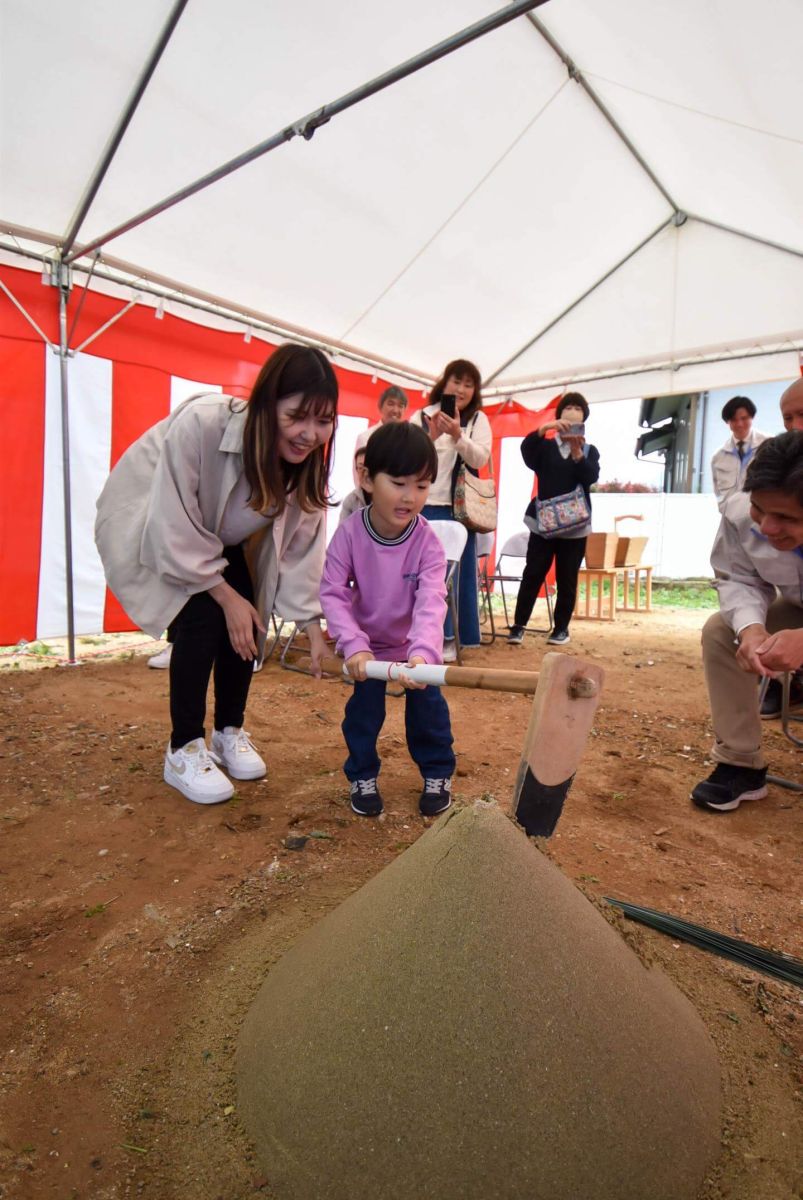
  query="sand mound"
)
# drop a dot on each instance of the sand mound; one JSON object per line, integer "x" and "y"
{"x": 467, "y": 1025}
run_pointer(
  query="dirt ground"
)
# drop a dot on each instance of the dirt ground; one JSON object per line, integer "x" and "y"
{"x": 136, "y": 927}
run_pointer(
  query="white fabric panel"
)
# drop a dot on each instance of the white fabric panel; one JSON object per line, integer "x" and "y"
{"x": 89, "y": 392}
{"x": 681, "y": 529}
{"x": 66, "y": 71}
{"x": 514, "y": 488}
{"x": 182, "y": 389}
{"x": 633, "y": 313}
{"x": 341, "y": 481}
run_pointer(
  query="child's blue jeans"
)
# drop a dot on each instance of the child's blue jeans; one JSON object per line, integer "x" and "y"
{"x": 427, "y": 724}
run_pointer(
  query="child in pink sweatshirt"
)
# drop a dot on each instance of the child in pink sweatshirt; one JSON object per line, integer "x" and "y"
{"x": 383, "y": 594}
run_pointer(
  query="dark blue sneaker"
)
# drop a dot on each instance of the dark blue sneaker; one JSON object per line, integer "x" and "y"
{"x": 727, "y": 786}
{"x": 365, "y": 798}
{"x": 436, "y": 797}
{"x": 558, "y": 637}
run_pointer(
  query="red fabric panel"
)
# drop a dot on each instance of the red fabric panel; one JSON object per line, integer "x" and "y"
{"x": 22, "y": 399}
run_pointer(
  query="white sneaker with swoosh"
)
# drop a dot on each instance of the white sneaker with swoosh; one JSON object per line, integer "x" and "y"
{"x": 192, "y": 771}
{"x": 233, "y": 749}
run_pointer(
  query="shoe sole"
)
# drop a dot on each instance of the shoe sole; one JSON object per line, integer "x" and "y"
{"x": 729, "y": 805}
{"x": 175, "y": 781}
{"x": 237, "y": 772}
{"x": 438, "y": 812}
{"x": 562, "y": 642}
{"x": 360, "y": 812}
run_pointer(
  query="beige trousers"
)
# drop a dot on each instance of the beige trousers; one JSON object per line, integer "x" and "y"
{"x": 733, "y": 693}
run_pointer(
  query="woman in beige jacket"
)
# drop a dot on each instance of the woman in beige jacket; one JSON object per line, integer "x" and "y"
{"x": 210, "y": 521}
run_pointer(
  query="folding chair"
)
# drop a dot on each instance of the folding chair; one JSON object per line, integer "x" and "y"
{"x": 516, "y": 548}
{"x": 453, "y": 537}
{"x": 787, "y": 718}
{"x": 485, "y": 545}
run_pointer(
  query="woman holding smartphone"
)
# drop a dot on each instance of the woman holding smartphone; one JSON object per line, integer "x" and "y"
{"x": 560, "y": 464}
{"x": 461, "y": 432}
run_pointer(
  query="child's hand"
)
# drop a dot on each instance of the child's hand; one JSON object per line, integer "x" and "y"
{"x": 406, "y": 681}
{"x": 356, "y": 664}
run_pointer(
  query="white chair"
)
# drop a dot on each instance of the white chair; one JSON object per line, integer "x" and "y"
{"x": 452, "y": 536}
{"x": 516, "y": 548}
{"x": 485, "y": 545}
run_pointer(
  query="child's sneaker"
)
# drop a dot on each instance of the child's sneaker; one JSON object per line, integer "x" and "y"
{"x": 192, "y": 771}
{"x": 436, "y": 797}
{"x": 234, "y": 749}
{"x": 365, "y": 798}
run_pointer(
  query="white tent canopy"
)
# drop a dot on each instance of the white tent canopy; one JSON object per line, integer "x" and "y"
{"x": 632, "y": 217}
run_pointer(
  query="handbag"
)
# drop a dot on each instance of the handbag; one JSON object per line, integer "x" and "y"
{"x": 474, "y": 499}
{"x": 560, "y": 514}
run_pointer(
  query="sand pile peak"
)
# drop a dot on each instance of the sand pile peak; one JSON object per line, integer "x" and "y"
{"x": 467, "y": 1025}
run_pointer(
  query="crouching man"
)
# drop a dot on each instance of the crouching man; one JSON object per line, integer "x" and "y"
{"x": 758, "y": 564}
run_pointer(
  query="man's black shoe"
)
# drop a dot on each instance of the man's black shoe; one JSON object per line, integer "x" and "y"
{"x": 727, "y": 786}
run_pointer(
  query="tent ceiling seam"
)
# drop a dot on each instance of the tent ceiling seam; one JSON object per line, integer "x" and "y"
{"x": 577, "y": 75}
{"x": 569, "y": 308}
{"x": 458, "y": 208}
{"x": 750, "y": 237}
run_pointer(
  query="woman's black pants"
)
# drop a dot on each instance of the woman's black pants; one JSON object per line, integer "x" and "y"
{"x": 567, "y": 554}
{"x": 201, "y": 642}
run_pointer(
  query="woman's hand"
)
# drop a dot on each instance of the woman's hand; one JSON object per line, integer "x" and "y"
{"x": 356, "y": 664}
{"x": 445, "y": 424}
{"x": 241, "y": 617}
{"x": 317, "y": 647}
{"x": 406, "y": 681}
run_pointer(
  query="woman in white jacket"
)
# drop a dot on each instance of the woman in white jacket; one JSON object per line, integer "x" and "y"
{"x": 209, "y": 521}
{"x": 461, "y": 433}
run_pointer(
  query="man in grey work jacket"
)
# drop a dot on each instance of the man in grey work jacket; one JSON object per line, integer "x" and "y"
{"x": 758, "y": 563}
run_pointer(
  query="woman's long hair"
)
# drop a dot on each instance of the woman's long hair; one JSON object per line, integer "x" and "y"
{"x": 461, "y": 368}
{"x": 291, "y": 369}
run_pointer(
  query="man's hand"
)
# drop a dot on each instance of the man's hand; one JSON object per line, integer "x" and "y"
{"x": 317, "y": 647}
{"x": 782, "y": 651}
{"x": 406, "y": 681}
{"x": 241, "y": 617}
{"x": 356, "y": 664}
{"x": 750, "y": 639}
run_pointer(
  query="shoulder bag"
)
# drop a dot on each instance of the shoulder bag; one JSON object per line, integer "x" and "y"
{"x": 474, "y": 499}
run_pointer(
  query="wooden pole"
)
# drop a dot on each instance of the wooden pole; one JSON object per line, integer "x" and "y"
{"x": 484, "y": 678}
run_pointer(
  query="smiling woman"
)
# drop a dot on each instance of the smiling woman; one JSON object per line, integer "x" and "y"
{"x": 213, "y": 517}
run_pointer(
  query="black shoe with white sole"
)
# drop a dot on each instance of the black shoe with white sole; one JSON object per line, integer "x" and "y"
{"x": 436, "y": 797}
{"x": 558, "y": 637}
{"x": 727, "y": 786}
{"x": 516, "y": 635}
{"x": 365, "y": 798}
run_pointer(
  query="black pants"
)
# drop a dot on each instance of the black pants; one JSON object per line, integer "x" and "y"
{"x": 568, "y": 554}
{"x": 201, "y": 641}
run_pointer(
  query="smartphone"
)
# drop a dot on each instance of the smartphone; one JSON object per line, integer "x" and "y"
{"x": 448, "y": 405}
{"x": 578, "y": 429}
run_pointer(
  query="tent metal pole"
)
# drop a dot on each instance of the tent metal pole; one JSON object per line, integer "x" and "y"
{"x": 598, "y": 283}
{"x": 750, "y": 237}
{"x": 26, "y": 315}
{"x": 306, "y": 126}
{"x": 64, "y": 285}
{"x": 576, "y": 74}
{"x": 120, "y": 128}
{"x": 107, "y": 324}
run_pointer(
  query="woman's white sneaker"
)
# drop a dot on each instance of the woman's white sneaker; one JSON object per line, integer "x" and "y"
{"x": 234, "y": 749}
{"x": 193, "y": 772}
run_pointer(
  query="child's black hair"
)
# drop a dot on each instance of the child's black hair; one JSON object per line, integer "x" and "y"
{"x": 400, "y": 448}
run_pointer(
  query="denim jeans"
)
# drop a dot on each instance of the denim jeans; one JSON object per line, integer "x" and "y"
{"x": 427, "y": 724}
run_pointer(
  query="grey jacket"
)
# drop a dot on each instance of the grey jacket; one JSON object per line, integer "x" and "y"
{"x": 748, "y": 571}
{"x": 159, "y": 515}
